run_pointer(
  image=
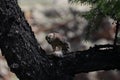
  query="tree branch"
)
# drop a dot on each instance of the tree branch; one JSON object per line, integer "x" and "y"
{"x": 30, "y": 62}
{"x": 102, "y": 57}
{"x": 19, "y": 45}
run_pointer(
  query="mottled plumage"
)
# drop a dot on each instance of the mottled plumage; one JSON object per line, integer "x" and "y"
{"x": 58, "y": 42}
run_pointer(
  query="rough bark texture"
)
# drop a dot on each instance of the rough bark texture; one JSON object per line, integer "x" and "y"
{"x": 18, "y": 44}
{"x": 30, "y": 62}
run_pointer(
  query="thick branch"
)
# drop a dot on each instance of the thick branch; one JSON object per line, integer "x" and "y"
{"x": 102, "y": 57}
{"x": 30, "y": 62}
{"x": 19, "y": 45}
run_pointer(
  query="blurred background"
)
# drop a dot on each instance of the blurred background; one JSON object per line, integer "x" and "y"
{"x": 46, "y": 16}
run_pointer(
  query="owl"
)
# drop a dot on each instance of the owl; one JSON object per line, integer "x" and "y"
{"x": 58, "y": 43}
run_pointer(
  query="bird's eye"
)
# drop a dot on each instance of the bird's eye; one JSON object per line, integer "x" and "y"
{"x": 48, "y": 39}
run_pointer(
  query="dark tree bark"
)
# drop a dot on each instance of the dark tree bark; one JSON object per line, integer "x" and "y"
{"x": 30, "y": 62}
{"x": 19, "y": 45}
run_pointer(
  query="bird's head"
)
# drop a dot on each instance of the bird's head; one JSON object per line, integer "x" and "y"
{"x": 50, "y": 37}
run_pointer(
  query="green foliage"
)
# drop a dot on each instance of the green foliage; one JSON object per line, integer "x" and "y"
{"x": 103, "y": 7}
{"x": 100, "y": 9}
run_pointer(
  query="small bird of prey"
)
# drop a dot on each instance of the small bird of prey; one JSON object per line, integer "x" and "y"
{"x": 59, "y": 43}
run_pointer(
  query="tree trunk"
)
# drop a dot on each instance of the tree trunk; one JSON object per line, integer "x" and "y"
{"x": 30, "y": 62}
{"x": 19, "y": 45}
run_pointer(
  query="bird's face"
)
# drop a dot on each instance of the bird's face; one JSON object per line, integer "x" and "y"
{"x": 50, "y": 38}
